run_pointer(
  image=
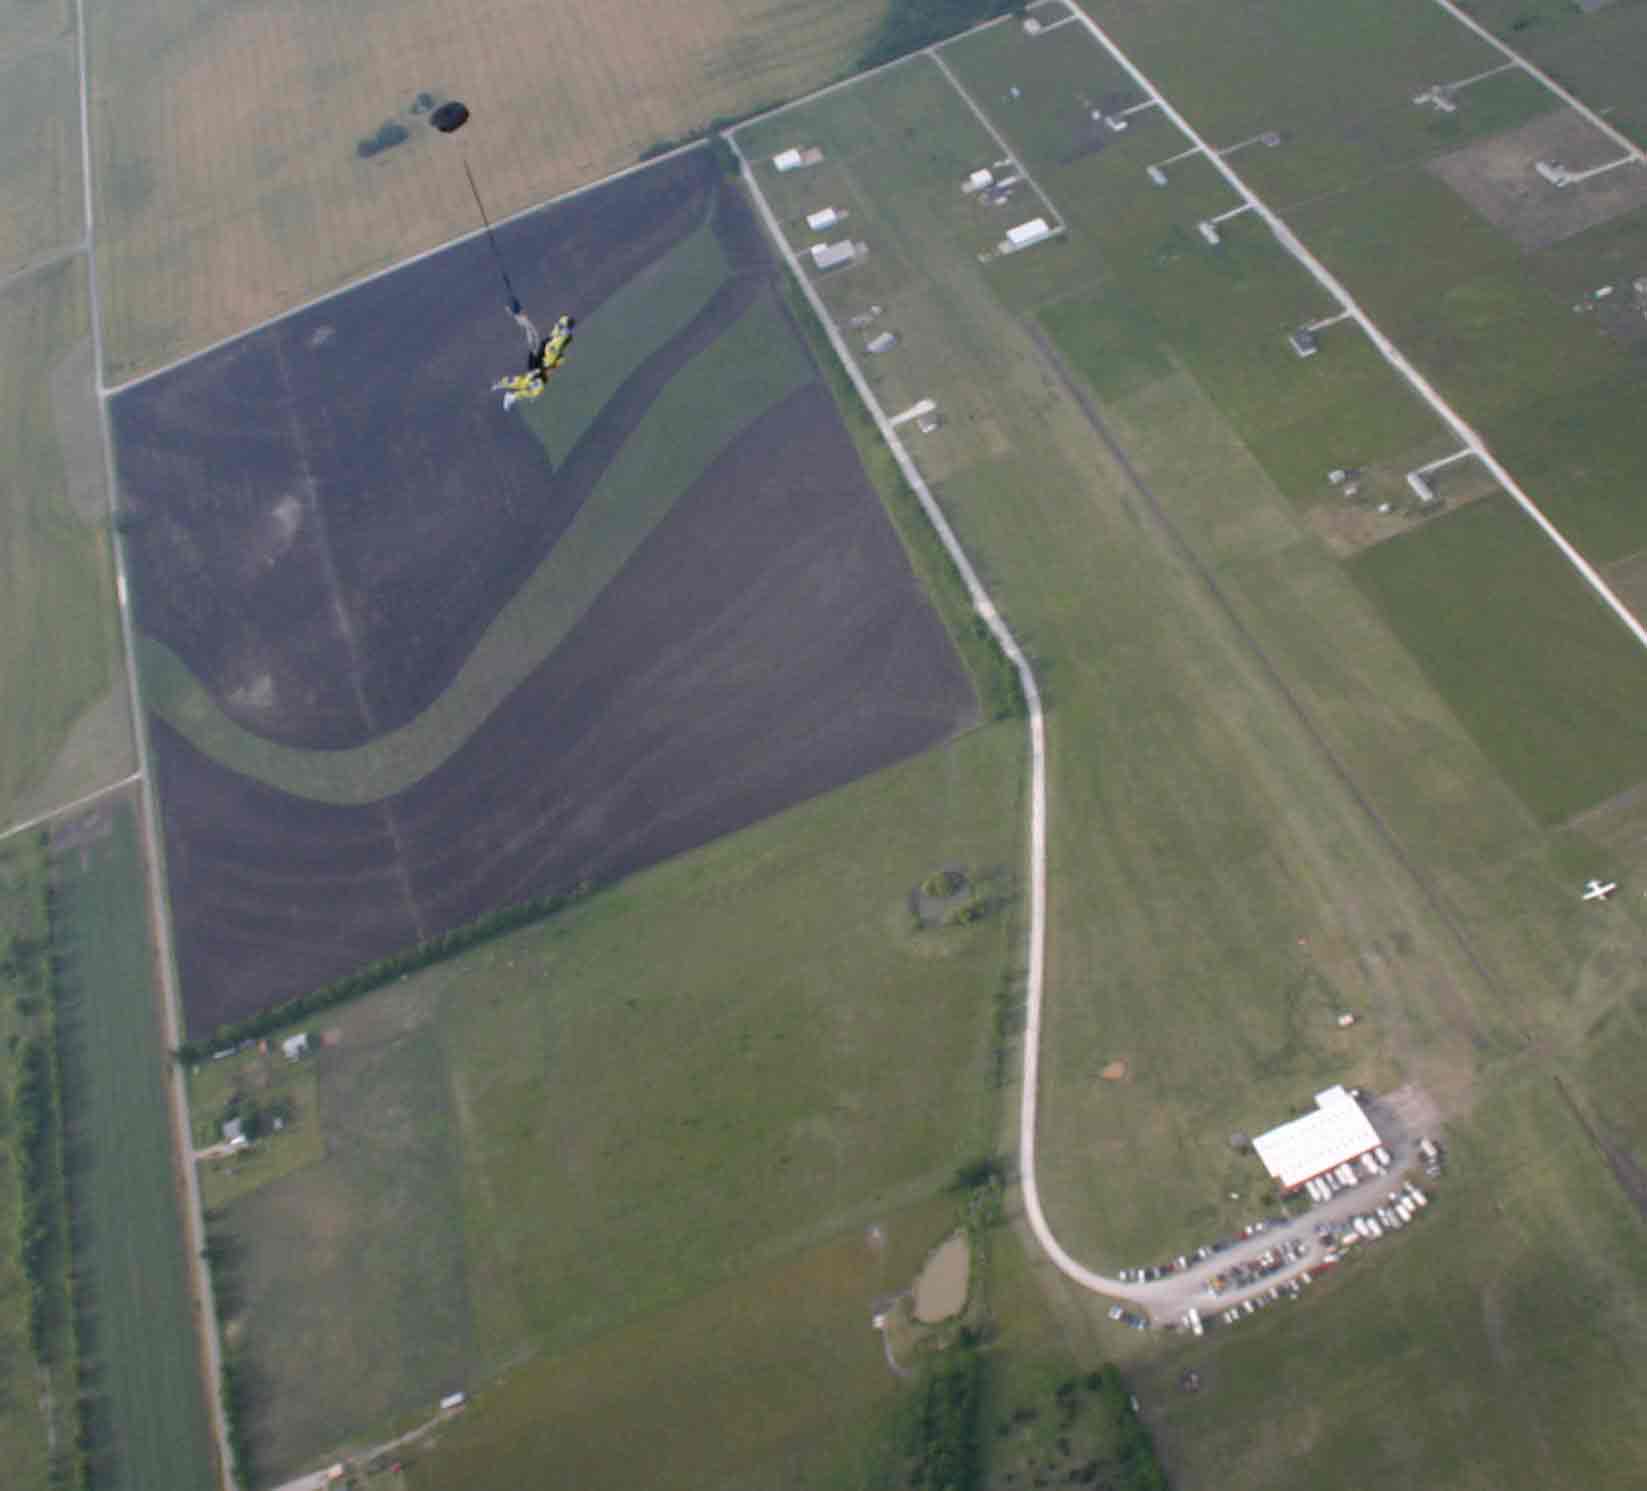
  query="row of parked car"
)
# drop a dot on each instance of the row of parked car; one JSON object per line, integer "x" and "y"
{"x": 1270, "y": 1261}
{"x": 1371, "y": 1165}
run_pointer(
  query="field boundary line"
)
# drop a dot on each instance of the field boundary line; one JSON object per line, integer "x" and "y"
{"x": 1390, "y": 352}
{"x": 67, "y": 807}
{"x": 996, "y": 136}
{"x": 1532, "y": 69}
{"x": 112, "y": 389}
{"x": 205, "y": 1326}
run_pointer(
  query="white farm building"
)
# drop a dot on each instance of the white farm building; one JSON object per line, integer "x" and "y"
{"x": 830, "y": 255}
{"x": 1026, "y": 233}
{"x": 1338, "y": 1131}
{"x": 824, "y": 217}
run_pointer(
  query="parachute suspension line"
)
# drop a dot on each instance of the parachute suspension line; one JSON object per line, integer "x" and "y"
{"x": 496, "y": 252}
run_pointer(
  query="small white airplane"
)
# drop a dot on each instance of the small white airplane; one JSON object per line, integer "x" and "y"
{"x": 1599, "y": 890}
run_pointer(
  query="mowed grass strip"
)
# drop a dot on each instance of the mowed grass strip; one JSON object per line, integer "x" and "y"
{"x": 696, "y": 1076}
{"x": 58, "y": 639}
{"x": 1548, "y": 682}
{"x": 750, "y": 368}
{"x": 229, "y": 187}
{"x": 148, "y": 1422}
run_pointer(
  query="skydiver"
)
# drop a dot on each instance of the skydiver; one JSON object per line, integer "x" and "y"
{"x": 543, "y": 356}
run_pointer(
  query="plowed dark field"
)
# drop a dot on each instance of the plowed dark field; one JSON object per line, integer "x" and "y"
{"x": 766, "y": 642}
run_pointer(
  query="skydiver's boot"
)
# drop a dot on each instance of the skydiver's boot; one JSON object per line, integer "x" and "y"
{"x": 509, "y": 400}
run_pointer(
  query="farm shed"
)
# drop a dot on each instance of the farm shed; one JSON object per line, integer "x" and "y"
{"x": 824, "y": 217}
{"x": 295, "y": 1046}
{"x": 1299, "y": 1151}
{"x": 1027, "y": 233}
{"x": 829, "y": 255}
{"x": 788, "y": 160}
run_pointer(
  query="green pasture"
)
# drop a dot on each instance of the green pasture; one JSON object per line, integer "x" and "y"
{"x": 1597, "y": 56}
{"x": 24, "y": 1014}
{"x": 1495, "y": 1343}
{"x": 39, "y": 155}
{"x": 1548, "y": 682}
{"x": 689, "y": 1082}
{"x": 773, "y": 1378}
{"x": 58, "y": 623}
{"x": 755, "y": 363}
{"x": 148, "y": 1422}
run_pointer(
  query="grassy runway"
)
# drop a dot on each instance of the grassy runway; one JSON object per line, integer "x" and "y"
{"x": 1263, "y": 810}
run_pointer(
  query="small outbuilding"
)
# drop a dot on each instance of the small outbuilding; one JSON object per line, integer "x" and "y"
{"x": 296, "y": 1046}
{"x": 978, "y": 181}
{"x": 234, "y": 1133}
{"x": 824, "y": 217}
{"x": 832, "y": 255}
{"x": 1303, "y": 342}
{"x": 788, "y": 160}
{"x": 882, "y": 343}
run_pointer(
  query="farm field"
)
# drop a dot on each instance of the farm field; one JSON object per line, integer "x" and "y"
{"x": 39, "y": 155}
{"x": 63, "y": 719}
{"x": 146, "y": 1416}
{"x": 548, "y": 1159}
{"x": 1262, "y": 809}
{"x": 229, "y": 187}
{"x": 416, "y": 659}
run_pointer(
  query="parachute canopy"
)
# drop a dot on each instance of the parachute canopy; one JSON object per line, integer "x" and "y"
{"x": 449, "y": 116}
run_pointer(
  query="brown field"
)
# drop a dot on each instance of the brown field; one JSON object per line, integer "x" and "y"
{"x": 1497, "y": 177}
{"x": 228, "y": 186}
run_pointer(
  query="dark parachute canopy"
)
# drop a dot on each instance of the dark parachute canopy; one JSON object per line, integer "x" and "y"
{"x": 449, "y": 116}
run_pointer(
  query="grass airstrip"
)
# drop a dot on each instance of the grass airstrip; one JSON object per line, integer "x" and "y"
{"x": 1267, "y": 804}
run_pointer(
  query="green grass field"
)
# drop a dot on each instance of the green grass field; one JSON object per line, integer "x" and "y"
{"x": 59, "y": 642}
{"x": 576, "y": 1133}
{"x": 753, "y": 365}
{"x": 24, "y": 1014}
{"x": 1262, "y": 809}
{"x": 1528, "y": 657}
{"x": 148, "y": 1424}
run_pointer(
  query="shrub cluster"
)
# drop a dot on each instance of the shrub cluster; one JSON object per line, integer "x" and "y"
{"x": 384, "y": 971}
{"x": 941, "y": 1446}
{"x": 34, "y": 1134}
{"x": 1134, "y": 1450}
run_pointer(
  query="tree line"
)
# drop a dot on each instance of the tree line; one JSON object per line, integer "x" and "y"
{"x": 384, "y": 971}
